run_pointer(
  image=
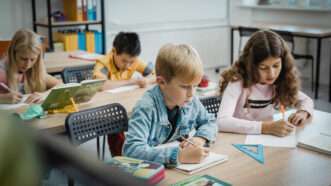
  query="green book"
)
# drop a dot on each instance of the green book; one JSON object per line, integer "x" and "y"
{"x": 204, "y": 180}
{"x": 59, "y": 97}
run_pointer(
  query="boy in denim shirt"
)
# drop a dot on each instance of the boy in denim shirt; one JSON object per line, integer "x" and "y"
{"x": 170, "y": 111}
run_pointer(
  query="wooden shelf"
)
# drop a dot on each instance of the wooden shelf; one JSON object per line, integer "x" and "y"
{"x": 68, "y": 23}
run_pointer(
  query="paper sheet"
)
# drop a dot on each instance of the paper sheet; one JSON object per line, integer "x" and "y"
{"x": 289, "y": 141}
{"x": 16, "y": 105}
{"x": 123, "y": 89}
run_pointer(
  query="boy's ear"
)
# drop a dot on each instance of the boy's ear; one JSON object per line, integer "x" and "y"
{"x": 113, "y": 50}
{"x": 160, "y": 80}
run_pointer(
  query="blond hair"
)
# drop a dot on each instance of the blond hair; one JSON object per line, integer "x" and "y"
{"x": 26, "y": 41}
{"x": 181, "y": 61}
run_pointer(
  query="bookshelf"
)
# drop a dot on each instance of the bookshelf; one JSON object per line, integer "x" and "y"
{"x": 49, "y": 24}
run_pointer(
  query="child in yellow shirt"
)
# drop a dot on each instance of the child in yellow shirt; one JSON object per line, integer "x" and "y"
{"x": 119, "y": 65}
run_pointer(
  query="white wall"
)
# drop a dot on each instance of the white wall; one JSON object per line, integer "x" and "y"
{"x": 17, "y": 14}
{"x": 203, "y": 24}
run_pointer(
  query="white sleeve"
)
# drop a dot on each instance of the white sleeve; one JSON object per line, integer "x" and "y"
{"x": 305, "y": 103}
{"x": 226, "y": 120}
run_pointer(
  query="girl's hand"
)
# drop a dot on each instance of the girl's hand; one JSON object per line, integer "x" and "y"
{"x": 34, "y": 98}
{"x": 12, "y": 97}
{"x": 298, "y": 118}
{"x": 192, "y": 154}
{"x": 278, "y": 128}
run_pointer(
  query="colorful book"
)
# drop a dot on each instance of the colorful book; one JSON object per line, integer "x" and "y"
{"x": 152, "y": 172}
{"x": 84, "y": 5}
{"x": 98, "y": 42}
{"x": 204, "y": 180}
{"x": 90, "y": 43}
{"x": 60, "y": 96}
{"x": 73, "y": 10}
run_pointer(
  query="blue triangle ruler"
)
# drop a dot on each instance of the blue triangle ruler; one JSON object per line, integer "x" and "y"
{"x": 258, "y": 155}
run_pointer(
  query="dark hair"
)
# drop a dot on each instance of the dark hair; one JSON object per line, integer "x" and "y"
{"x": 127, "y": 42}
{"x": 262, "y": 45}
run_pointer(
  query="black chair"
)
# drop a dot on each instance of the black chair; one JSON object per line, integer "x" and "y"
{"x": 93, "y": 123}
{"x": 244, "y": 32}
{"x": 212, "y": 104}
{"x": 288, "y": 37}
{"x": 77, "y": 74}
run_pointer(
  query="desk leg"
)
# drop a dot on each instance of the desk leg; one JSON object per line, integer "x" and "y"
{"x": 318, "y": 62}
{"x": 330, "y": 79}
{"x": 231, "y": 46}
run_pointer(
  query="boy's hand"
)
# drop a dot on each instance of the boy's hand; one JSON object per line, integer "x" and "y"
{"x": 34, "y": 98}
{"x": 12, "y": 97}
{"x": 198, "y": 141}
{"x": 192, "y": 154}
{"x": 298, "y": 118}
{"x": 278, "y": 128}
{"x": 141, "y": 82}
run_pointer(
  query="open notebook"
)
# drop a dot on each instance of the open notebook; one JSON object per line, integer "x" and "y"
{"x": 318, "y": 142}
{"x": 211, "y": 160}
{"x": 16, "y": 105}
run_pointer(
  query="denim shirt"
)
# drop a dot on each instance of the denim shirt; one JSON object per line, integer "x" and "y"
{"x": 149, "y": 127}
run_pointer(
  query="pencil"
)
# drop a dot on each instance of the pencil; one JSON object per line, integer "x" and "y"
{"x": 8, "y": 89}
{"x": 188, "y": 141}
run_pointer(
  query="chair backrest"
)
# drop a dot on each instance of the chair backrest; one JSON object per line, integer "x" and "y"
{"x": 245, "y": 32}
{"x": 212, "y": 104}
{"x": 91, "y": 123}
{"x": 288, "y": 38}
{"x": 4, "y": 44}
{"x": 77, "y": 74}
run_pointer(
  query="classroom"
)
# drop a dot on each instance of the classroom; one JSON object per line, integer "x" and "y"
{"x": 176, "y": 92}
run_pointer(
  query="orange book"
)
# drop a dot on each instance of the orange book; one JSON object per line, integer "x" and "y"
{"x": 64, "y": 38}
{"x": 90, "y": 42}
{"x": 73, "y": 10}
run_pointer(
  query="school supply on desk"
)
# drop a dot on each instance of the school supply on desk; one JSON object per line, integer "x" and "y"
{"x": 257, "y": 154}
{"x": 33, "y": 111}
{"x": 65, "y": 97}
{"x": 14, "y": 105}
{"x": 123, "y": 89}
{"x": 273, "y": 141}
{"x": 211, "y": 160}
{"x": 288, "y": 141}
{"x": 186, "y": 168}
{"x": 152, "y": 172}
{"x": 85, "y": 55}
{"x": 204, "y": 180}
{"x": 320, "y": 142}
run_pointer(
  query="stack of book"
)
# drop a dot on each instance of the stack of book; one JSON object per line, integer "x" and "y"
{"x": 152, "y": 172}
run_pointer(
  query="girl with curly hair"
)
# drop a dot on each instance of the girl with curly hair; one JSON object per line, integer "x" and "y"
{"x": 263, "y": 79}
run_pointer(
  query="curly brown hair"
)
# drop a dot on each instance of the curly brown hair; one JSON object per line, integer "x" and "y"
{"x": 262, "y": 45}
